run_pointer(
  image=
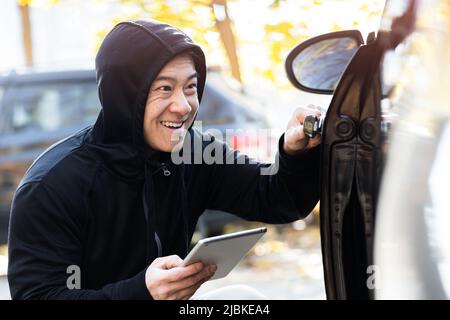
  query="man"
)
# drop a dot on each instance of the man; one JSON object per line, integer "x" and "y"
{"x": 109, "y": 206}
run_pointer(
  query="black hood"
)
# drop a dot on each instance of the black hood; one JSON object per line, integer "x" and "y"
{"x": 129, "y": 59}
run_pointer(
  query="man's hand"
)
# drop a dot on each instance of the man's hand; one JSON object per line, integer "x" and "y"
{"x": 295, "y": 139}
{"x": 165, "y": 280}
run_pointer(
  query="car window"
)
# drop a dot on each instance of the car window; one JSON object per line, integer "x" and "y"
{"x": 215, "y": 108}
{"x": 90, "y": 103}
{"x": 218, "y": 108}
{"x": 2, "y": 91}
{"x": 2, "y": 113}
{"x": 49, "y": 107}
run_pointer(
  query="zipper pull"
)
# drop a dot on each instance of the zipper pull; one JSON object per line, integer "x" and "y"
{"x": 166, "y": 171}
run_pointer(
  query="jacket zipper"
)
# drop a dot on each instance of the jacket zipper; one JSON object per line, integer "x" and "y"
{"x": 163, "y": 166}
{"x": 166, "y": 171}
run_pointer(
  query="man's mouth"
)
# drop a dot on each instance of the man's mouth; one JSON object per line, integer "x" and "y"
{"x": 172, "y": 125}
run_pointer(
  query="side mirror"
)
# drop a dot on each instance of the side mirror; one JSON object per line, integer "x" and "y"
{"x": 317, "y": 64}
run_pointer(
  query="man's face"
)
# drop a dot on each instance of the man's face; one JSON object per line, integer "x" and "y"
{"x": 171, "y": 105}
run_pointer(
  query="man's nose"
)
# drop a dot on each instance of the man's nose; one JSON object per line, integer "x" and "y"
{"x": 180, "y": 104}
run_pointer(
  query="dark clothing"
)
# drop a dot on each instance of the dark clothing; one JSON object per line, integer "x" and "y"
{"x": 105, "y": 202}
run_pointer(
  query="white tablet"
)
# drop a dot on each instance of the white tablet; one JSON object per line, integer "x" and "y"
{"x": 225, "y": 251}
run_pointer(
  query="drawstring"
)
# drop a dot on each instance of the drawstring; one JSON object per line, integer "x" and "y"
{"x": 158, "y": 244}
{"x": 149, "y": 215}
{"x": 149, "y": 211}
{"x": 184, "y": 203}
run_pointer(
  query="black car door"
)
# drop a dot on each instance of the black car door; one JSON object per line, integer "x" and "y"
{"x": 351, "y": 149}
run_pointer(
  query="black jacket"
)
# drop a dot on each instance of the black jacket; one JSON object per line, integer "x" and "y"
{"x": 103, "y": 201}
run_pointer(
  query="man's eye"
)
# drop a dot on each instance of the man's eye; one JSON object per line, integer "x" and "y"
{"x": 191, "y": 89}
{"x": 165, "y": 88}
{"x": 192, "y": 86}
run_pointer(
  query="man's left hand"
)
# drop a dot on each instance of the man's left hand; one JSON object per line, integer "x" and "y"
{"x": 295, "y": 139}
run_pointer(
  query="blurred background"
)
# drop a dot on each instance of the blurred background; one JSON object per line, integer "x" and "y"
{"x": 47, "y": 91}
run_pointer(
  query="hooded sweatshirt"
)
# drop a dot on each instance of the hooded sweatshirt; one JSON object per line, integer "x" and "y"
{"x": 94, "y": 210}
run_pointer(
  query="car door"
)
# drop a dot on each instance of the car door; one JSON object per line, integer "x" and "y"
{"x": 7, "y": 181}
{"x": 343, "y": 65}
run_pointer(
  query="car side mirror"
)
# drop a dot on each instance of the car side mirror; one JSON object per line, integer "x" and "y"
{"x": 317, "y": 64}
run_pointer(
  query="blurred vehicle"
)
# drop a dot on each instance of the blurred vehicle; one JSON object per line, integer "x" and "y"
{"x": 384, "y": 210}
{"x": 38, "y": 109}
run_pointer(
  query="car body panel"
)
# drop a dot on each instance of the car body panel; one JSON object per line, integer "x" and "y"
{"x": 412, "y": 249}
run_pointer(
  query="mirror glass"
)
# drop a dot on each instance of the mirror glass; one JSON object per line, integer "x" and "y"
{"x": 321, "y": 65}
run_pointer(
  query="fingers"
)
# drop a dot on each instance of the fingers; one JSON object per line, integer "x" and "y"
{"x": 179, "y": 273}
{"x": 302, "y": 112}
{"x": 178, "y": 282}
{"x": 189, "y": 292}
{"x": 313, "y": 142}
{"x": 297, "y": 135}
{"x": 300, "y": 115}
{"x": 186, "y": 293}
{"x": 295, "y": 138}
{"x": 189, "y": 285}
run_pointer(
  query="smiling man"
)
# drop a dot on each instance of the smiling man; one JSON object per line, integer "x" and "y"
{"x": 106, "y": 214}
{"x": 171, "y": 105}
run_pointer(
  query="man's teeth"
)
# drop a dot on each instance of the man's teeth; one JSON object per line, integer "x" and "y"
{"x": 172, "y": 124}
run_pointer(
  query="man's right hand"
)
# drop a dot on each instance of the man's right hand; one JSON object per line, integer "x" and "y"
{"x": 165, "y": 280}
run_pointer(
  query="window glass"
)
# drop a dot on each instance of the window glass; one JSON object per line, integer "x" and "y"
{"x": 215, "y": 108}
{"x": 90, "y": 102}
{"x": 2, "y": 113}
{"x": 2, "y": 90}
{"x": 53, "y": 106}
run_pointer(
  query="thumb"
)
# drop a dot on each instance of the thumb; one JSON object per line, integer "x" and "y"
{"x": 170, "y": 262}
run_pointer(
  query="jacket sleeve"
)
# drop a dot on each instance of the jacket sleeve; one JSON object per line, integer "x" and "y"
{"x": 45, "y": 239}
{"x": 288, "y": 193}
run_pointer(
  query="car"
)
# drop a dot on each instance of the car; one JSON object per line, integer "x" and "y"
{"x": 384, "y": 205}
{"x": 37, "y": 109}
